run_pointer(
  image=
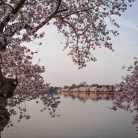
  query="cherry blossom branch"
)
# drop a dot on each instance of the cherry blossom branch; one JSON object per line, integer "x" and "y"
{"x": 14, "y": 11}
{"x": 3, "y": 3}
{"x": 48, "y": 18}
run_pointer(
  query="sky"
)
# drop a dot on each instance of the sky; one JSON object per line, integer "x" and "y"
{"x": 61, "y": 71}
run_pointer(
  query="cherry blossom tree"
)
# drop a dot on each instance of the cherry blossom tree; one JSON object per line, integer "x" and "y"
{"x": 82, "y": 22}
{"x": 127, "y": 99}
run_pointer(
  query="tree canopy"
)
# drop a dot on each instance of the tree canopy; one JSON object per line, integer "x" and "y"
{"x": 82, "y": 22}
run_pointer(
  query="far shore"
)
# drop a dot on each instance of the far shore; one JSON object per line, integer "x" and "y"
{"x": 88, "y": 92}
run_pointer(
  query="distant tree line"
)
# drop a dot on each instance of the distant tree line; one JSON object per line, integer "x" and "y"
{"x": 53, "y": 89}
{"x": 84, "y": 84}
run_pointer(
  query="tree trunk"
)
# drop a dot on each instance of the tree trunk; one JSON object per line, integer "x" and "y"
{"x": 7, "y": 86}
{"x": 4, "y": 114}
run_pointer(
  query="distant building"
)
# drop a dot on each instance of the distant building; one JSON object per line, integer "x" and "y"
{"x": 110, "y": 89}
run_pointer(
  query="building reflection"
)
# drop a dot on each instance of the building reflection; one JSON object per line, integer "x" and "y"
{"x": 90, "y": 95}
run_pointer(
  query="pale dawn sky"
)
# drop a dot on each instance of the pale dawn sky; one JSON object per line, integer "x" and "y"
{"x": 60, "y": 70}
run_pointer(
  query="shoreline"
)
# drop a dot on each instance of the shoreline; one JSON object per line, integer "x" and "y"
{"x": 90, "y": 92}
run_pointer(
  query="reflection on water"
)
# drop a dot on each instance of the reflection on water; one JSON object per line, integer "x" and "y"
{"x": 78, "y": 119}
{"x": 83, "y": 96}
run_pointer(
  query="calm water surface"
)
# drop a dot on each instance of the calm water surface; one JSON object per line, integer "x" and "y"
{"x": 81, "y": 116}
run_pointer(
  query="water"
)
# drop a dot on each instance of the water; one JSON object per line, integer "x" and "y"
{"x": 81, "y": 116}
